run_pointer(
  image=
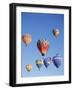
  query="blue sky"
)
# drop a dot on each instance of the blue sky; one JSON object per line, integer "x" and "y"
{"x": 40, "y": 26}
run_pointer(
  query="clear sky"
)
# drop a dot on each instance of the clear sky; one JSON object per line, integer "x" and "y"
{"x": 40, "y": 26}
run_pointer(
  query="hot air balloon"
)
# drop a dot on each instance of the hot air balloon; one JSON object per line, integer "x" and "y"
{"x": 43, "y": 46}
{"x": 56, "y": 32}
{"x": 27, "y": 39}
{"x": 47, "y": 61}
{"x": 29, "y": 67}
{"x": 39, "y": 63}
{"x": 57, "y": 60}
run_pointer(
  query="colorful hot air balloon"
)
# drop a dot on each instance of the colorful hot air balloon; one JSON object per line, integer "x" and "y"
{"x": 47, "y": 61}
{"x": 43, "y": 46}
{"x": 27, "y": 39}
{"x": 29, "y": 67}
{"x": 56, "y": 32}
{"x": 57, "y": 60}
{"x": 39, "y": 63}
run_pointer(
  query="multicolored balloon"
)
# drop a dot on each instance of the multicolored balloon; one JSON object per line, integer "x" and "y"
{"x": 43, "y": 46}
{"x": 57, "y": 60}
{"x": 47, "y": 61}
{"x": 56, "y": 32}
{"x": 39, "y": 63}
{"x": 29, "y": 67}
{"x": 27, "y": 39}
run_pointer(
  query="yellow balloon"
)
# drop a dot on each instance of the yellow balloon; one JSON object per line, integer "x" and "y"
{"x": 27, "y": 39}
{"x": 29, "y": 67}
{"x": 39, "y": 62}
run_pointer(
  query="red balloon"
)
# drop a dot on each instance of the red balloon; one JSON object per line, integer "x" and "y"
{"x": 43, "y": 46}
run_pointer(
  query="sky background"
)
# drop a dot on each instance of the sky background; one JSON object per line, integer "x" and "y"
{"x": 40, "y": 26}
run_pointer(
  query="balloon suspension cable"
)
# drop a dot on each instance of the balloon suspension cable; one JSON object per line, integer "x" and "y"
{"x": 39, "y": 69}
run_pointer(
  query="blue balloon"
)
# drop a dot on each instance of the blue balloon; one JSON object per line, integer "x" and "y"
{"x": 57, "y": 60}
{"x": 47, "y": 61}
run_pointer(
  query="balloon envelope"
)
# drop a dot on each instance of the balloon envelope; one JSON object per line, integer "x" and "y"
{"x": 29, "y": 67}
{"x": 39, "y": 63}
{"x": 57, "y": 60}
{"x": 56, "y": 32}
{"x": 43, "y": 46}
{"x": 27, "y": 39}
{"x": 47, "y": 61}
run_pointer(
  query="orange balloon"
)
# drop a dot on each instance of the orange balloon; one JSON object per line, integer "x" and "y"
{"x": 27, "y": 39}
